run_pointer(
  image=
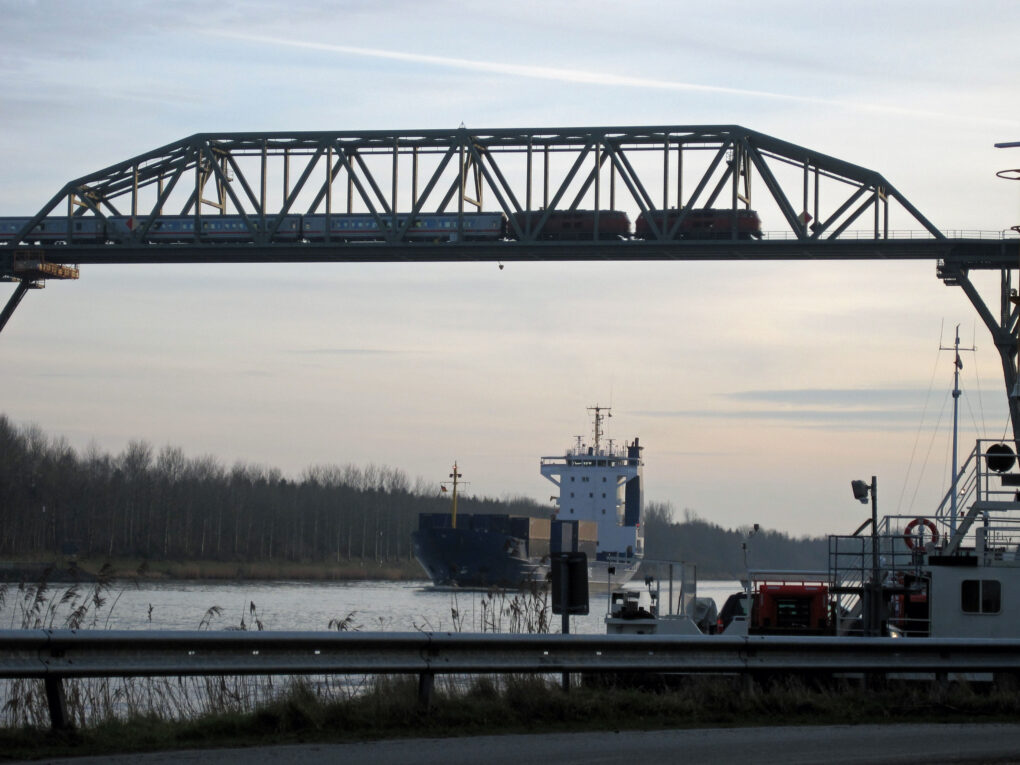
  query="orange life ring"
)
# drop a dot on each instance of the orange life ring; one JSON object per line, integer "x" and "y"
{"x": 908, "y": 532}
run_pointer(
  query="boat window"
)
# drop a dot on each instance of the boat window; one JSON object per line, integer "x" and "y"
{"x": 981, "y": 596}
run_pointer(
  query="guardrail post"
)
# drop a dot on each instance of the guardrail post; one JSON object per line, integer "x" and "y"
{"x": 57, "y": 702}
{"x": 426, "y": 684}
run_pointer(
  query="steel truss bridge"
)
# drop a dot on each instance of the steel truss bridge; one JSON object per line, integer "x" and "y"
{"x": 826, "y": 208}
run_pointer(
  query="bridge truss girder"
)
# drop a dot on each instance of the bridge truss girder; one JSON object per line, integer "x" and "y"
{"x": 394, "y": 176}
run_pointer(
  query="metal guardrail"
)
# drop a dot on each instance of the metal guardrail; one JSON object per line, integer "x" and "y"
{"x": 53, "y": 655}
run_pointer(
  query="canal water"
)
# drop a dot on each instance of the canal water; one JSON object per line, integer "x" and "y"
{"x": 356, "y": 605}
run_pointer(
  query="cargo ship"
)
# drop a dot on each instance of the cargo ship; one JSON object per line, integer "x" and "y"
{"x": 598, "y": 512}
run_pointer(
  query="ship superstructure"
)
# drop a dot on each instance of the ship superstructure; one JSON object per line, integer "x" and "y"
{"x": 601, "y": 484}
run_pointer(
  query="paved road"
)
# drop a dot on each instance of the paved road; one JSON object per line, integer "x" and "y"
{"x": 830, "y": 745}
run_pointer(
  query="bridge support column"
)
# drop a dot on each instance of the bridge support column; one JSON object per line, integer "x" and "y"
{"x": 1003, "y": 330}
{"x": 15, "y": 299}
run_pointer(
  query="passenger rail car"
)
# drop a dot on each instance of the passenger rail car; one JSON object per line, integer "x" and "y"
{"x": 180, "y": 229}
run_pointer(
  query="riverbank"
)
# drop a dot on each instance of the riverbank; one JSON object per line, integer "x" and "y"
{"x": 88, "y": 570}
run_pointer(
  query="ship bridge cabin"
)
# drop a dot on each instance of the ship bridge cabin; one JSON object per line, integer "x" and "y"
{"x": 602, "y": 485}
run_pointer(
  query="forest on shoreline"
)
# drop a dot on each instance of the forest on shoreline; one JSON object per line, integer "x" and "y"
{"x": 167, "y": 514}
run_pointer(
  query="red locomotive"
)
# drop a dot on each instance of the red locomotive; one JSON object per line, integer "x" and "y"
{"x": 705, "y": 223}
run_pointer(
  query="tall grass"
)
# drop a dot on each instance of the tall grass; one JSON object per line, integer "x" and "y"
{"x": 94, "y": 701}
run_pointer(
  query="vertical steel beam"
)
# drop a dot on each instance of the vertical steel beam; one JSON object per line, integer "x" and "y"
{"x": 329, "y": 194}
{"x": 814, "y": 214}
{"x": 545, "y": 178}
{"x": 393, "y": 180}
{"x": 665, "y": 178}
{"x": 804, "y": 209}
{"x": 264, "y": 162}
{"x": 679, "y": 175}
{"x": 414, "y": 177}
{"x": 461, "y": 180}
{"x": 612, "y": 185}
{"x": 286, "y": 175}
{"x": 528, "y": 174}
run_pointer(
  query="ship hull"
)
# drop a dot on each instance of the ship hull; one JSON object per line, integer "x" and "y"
{"x": 477, "y": 559}
{"x": 480, "y": 559}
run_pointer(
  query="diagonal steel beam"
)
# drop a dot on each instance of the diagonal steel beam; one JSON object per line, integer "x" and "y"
{"x": 850, "y": 201}
{"x": 218, "y": 171}
{"x": 692, "y": 201}
{"x": 15, "y": 301}
{"x": 776, "y": 190}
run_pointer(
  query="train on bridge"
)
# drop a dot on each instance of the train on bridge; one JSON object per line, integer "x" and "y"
{"x": 551, "y": 225}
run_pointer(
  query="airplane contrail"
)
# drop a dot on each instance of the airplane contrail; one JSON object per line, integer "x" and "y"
{"x": 577, "y": 76}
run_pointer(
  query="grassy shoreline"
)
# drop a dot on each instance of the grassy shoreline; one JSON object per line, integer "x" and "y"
{"x": 489, "y": 706}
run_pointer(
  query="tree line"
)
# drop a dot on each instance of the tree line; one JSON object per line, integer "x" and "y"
{"x": 162, "y": 505}
{"x": 727, "y": 553}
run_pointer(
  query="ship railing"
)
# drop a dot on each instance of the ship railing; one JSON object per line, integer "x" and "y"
{"x": 616, "y": 452}
{"x": 856, "y": 562}
{"x": 997, "y": 540}
{"x": 680, "y": 580}
{"x": 985, "y": 477}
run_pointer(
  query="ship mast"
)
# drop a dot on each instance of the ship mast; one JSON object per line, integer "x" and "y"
{"x": 957, "y": 366}
{"x": 456, "y": 476}
{"x": 598, "y": 410}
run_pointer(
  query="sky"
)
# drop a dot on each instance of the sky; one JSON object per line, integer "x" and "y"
{"x": 759, "y": 390}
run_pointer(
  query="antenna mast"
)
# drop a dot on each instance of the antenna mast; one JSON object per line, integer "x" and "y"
{"x": 598, "y": 410}
{"x": 957, "y": 366}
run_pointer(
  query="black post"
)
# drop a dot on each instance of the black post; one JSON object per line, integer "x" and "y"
{"x": 426, "y": 683}
{"x": 57, "y": 703}
{"x": 876, "y": 585}
{"x": 565, "y": 629}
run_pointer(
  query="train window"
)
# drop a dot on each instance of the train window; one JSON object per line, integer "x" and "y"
{"x": 981, "y": 596}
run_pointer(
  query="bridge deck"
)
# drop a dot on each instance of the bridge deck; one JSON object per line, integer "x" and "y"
{"x": 970, "y": 254}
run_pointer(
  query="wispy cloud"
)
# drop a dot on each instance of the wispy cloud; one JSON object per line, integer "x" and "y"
{"x": 345, "y": 351}
{"x": 840, "y": 398}
{"x": 870, "y": 417}
{"x": 583, "y": 77}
